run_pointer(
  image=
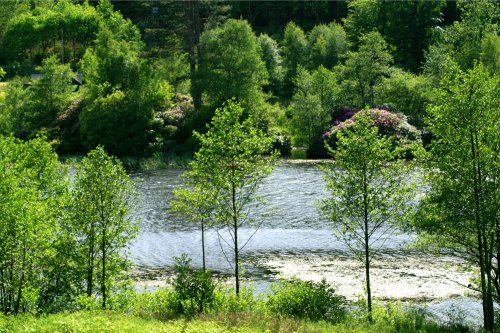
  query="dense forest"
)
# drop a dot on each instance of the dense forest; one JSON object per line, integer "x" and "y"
{"x": 382, "y": 87}
{"x": 139, "y": 77}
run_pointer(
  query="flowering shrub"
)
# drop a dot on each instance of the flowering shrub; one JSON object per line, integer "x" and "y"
{"x": 343, "y": 114}
{"x": 387, "y": 122}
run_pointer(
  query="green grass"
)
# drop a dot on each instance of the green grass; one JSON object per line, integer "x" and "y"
{"x": 3, "y": 86}
{"x": 240, "y": 322}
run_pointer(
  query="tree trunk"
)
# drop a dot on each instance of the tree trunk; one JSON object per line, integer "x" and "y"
{"x": 62, "y": 46}
{"x": 236, "y": 250}
{"x": 21, "y": 283}
{"x": 90, "y": 268}
{"x": 367, "y": 248}
{"x": 193, "y": 31}
{"x": 484, "y": 260}
{"x": 235, "y": 229}
{"x": 203, "y": 244}
{"x": 103, "y": 282}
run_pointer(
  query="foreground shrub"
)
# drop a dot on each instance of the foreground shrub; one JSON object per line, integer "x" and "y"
{"x": 194, "y": 289}
{"x": 305, "y": 299}
{"x": 247, "y": 301}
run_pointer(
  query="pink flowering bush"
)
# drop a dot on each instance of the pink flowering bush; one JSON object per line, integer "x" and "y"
{"x": 388, "y": 123}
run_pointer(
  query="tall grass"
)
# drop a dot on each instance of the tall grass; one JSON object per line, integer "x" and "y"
{"x": 157, "y": 161}
{"x": 222, "y": 322}
{"x": 157, "y": 311}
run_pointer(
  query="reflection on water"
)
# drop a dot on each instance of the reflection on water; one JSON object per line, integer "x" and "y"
{"x": 290, "y": 229}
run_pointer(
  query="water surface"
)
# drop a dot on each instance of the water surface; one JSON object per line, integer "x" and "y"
{"x": 289, "y": 238}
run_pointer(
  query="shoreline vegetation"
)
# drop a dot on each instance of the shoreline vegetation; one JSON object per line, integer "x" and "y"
{"x": 166, "y": 161}
{"x": 241, "y": 322}
{"x": 157, "y": 311}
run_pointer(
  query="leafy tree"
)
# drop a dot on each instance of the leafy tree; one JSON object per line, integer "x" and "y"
{"x": 463, "y": 40}
{"x": 460, "y": 210}
{"x": 102, "y": 207}
{"x": 406, "y": 93}
{"x": 294, "y": 50}
{"x": 34, "y": 105}
{"x": 18, "y": 104}
{"x": 369, "y": 189}
{"x": 192, "y": 14}
{"x": 232, "y": 162}
{"x": 410, "y": 26}
{"x": 364, "y": 69}
{"x": 490, "y": 53}
{"x": 33, "y": 191}
{"x": 195, "y": 201}
{"x": 232, "y": 66}
{"x": 315, "y": 97}
{"x": 477, "y": 19}
{"x": 273, "y": 60}
{"x": 438, "y": 64}
{"x": 326, "y": 44}
{"x": 64, "y": 29}
{"x": 122, "y": 93}
{"x": 6, "y": 12}
{"x": 5, "y": 121}
{"x": 51, "y": 92}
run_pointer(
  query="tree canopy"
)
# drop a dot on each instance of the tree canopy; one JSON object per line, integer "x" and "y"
{"x": 231, "y": 65}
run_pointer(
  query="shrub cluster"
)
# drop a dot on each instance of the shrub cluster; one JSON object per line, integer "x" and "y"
{"x": 305, "y": 299}
{"x": 390, "y": 124}
{"x": 194, "y": 289}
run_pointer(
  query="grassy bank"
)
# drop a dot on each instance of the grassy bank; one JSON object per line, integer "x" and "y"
{"x": 155, "y": 162}
{"x": 285, "y": 312}
{"x": 110, "y": 321}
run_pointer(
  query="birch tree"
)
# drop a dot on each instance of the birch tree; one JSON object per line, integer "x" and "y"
{"x": 369, "y": 190}
{"x": 232, "y": 163}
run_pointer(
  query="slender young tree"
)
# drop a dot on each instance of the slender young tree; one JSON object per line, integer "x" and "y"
{"x": 369, "y": 188}
{"x": 460, "y": 210}
{"x": 103, "y": 202}
{"x": 232, "y": 163}
{"x": 32, "y": 191}
{"x": 196, "y": 202}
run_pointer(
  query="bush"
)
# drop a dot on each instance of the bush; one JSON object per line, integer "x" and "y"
{"x": 194, "y": 289}
{"x": 305, "y": 299}
{"x": 227, "y": 301}
{"x": 159, "y": 304}
{"x": 396, "y": 126}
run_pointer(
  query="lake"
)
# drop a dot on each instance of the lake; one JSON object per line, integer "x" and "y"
{"x": 289, "y": 238}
